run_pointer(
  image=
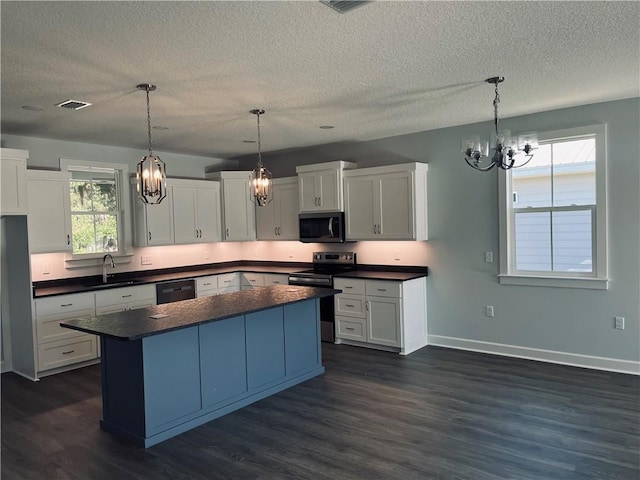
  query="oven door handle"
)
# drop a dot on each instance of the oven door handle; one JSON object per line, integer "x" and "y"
{"x": 331, "y": 227}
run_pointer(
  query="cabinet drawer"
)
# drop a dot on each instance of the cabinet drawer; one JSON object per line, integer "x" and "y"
{"x": 229, "y": 282}
{"x": 206, "y": 283}
{"x": 59, "y": 354}
{"x": 349, "y": 285}
{"x": 207, "y": 293}
{"x": 253, "y": 279}
{"x": 61, "y": 304}
{"x": 350, "y": 328}
{"x": 48, "y": 328}
{"x": 275, "y": 279}
{"x": 378, "y": 288}
{"x": 125, "y": 295}
{"x": 350, "y": 305}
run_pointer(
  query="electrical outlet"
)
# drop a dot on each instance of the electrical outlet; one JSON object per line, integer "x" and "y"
{"x": 45, "y": 269}
{"x": 145, "y": 260}
{"x": 489, "y": 310}
{"x": 488, "y": 257}
{"x": 396, "y": 255}
{"x": 205, "y": 254}
{"x": 619, "y": 323}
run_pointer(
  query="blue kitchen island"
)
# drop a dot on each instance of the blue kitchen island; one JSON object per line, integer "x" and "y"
{"x": 170, "y": 368}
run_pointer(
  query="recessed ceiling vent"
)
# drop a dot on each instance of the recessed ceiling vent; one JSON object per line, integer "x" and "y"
{"x": 344, "y": 6}
{"x": 73, "y": 104}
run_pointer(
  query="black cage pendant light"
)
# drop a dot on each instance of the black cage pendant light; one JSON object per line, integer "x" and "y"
{"x": 261, "y": 178}
{"x": 505, "y": 150}
{"x": 151, "y": 173}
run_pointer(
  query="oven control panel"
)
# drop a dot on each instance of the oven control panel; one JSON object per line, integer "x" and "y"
{"x": 340, "y": 258}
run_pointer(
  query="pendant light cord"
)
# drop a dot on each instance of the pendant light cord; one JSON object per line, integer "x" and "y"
{"x": 259, "y": 146}
{"x": 496, "y": 101}
{"x": 149, "y": 123}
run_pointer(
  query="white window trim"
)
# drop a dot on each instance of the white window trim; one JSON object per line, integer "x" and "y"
{"x": 599, "y": 278}
{"x": 89, "y": 259}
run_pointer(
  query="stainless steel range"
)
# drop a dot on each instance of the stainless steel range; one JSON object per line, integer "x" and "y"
{"x": 325, "y": 266}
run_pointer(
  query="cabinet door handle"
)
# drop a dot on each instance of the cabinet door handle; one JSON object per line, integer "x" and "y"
{"x": 149, "y": 236}
{"x": 66, "y": 304}
{"x": 227, "y": 234}
{"x": 382, "y": 289}
{"x": 126, "y": 296}
{"x": 207, "y": 284}
{"x": 200, "y": 230}
{"x": 347, "y": 286}
{"x": 349, "y": 305}
{"x": 350, "y": 328}
{"x": 68, "y": 239}
{"x": 68, "y": 352}
{"x": 367, "y": 306}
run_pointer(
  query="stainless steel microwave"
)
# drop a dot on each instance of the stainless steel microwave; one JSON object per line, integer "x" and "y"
{"x": 321, "y": 227}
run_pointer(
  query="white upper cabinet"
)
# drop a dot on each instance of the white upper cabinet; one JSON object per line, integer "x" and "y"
{"x": 278, "y": 220}
{"x": 49, "y": 211}
{"x": 196, "y": 211}
{"x": 238, "y": 211}
{"x": 386, "y": 203}
{"x": 320, "y": 186}
{"x": 14, "y": 181}
{"x": 153, "y": 223}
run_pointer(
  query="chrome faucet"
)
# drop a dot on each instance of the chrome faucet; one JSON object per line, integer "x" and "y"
{"x": 104, "y": 266}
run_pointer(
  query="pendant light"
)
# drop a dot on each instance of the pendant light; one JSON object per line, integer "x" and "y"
{"x": 261, "y": 178}
{"x": 505, "y": 150}
{"x": 151, "y": 173}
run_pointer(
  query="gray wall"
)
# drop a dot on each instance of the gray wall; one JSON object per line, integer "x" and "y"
{"x": 46, "y": 153}
{"x": 463, "y": 224}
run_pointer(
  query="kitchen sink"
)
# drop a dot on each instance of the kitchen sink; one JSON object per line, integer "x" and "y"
{"x": 113, "y": 284}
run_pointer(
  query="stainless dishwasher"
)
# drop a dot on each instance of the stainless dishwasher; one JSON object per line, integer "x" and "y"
{"x": 175, "y": 291}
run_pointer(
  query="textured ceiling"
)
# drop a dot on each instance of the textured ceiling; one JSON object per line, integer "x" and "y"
{"x": 384, "y": 69}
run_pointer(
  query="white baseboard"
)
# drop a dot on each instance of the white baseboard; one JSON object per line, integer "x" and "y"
{"x": 551, "y": 356}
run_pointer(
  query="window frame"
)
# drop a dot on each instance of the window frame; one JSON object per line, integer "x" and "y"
{"x": 598, "y": 277}
{"x": 124, "y": 234}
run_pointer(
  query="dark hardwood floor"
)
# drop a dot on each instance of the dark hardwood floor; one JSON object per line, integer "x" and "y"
{"x": 436, "y": 414}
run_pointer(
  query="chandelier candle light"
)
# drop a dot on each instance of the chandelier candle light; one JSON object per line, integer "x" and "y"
{"x": 476, "y": 151}
{"x": 151, "y": 173}
{"x": 261, "y": 178}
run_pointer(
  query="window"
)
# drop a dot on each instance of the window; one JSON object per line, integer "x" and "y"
{"x": 96, "y": 200}
{"x": 553, "y": 213}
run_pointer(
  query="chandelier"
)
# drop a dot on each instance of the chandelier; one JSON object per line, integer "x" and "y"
{"x": 151, "y": 173}
{"x": 505, "y": 150}
{"x": 261, "y": 178}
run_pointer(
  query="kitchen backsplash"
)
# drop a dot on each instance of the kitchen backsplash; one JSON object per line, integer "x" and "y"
{"x": 378, "y": 253}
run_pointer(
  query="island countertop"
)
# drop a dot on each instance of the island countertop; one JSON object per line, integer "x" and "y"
{"x": 136, "y": 324}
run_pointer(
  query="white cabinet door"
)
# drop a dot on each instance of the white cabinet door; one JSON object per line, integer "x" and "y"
{"x": 309, "y": 197}
{"x": 14, "y": 182}
{"x": 397, "y": 207}
{"x": 239, "y": 211}
{"x": 383, "y": 321}
{"x": 288, "y": 228}
{"x": 328, "y": 186}
{"x": 49, "y": 212}
{"x": 208, "y": 213}
{"x": 159, "y": 222}
{"x": 361, "y": 209}
{"x": 266, "y": 223}
{"x": 275, "y": 279}
{"x": 278, "y": 220}
{"x": 184, "y": 215}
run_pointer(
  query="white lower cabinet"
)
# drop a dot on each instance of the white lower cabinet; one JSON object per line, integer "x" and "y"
{"x": 390, "y": 315}
{"x": 207, "y": 286}
{"x": 251, "y": 280}
{"x": 126, "y": 298}
{"x": 61, "y": 347}
{"x": 275, "y": 279}
{"x": 229, "y": 282}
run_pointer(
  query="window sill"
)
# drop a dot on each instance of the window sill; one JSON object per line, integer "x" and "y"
{"x": 91, "y": 260}
{"x": 565, "y": 282}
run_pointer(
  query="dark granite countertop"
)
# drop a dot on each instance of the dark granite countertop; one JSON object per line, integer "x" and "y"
{"x": 93, "y": 283}
{"x": 382, "y": 275}
{"x": 136, "y": 324}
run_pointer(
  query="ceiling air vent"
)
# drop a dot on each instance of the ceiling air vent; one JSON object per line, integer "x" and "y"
{"x": 73, "y": 104}
{"x": 343, "y": 6}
